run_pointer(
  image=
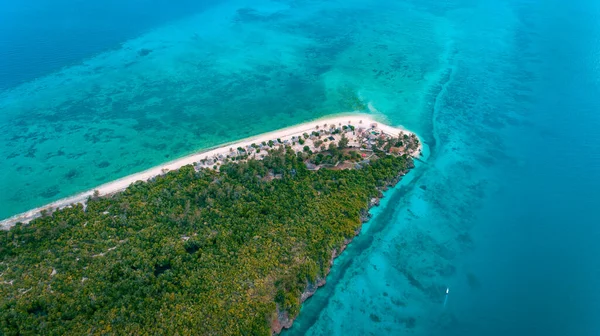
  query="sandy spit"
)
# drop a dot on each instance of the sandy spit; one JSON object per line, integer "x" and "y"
{"x": 122, "y": 183}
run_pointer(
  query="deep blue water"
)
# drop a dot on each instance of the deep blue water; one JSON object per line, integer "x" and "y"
{"x": 38, "y": 36}
{"x": 505, "y": 94}
{"x": 539, "y": 234}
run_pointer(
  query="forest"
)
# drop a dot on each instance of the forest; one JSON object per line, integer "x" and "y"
{"x": 190, "y": 252}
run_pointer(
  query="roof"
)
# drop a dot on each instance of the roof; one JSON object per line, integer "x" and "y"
{"x": 310, "y": 165}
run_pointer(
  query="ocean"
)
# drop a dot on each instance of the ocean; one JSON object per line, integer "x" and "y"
{"x": 494, "y": 233}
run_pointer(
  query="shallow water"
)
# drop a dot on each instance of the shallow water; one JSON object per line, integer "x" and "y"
{"x": 504, "y": 93}
{"x": 226, "y": 73}
{"x": 504, "y": 216}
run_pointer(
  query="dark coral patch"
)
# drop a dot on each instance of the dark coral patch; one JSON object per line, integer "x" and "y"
{"x": 374, "y": 318}
{"x": 144, "y": 51}
{"x": 71, "y": 174}
{"x": 50, "y": 192}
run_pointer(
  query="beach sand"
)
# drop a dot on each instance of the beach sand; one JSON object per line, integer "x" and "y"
{"x": 122, "y": 183}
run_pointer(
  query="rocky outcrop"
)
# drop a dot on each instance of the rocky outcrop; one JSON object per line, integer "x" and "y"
{"x": 282, "y": 321}
{"x": 312, "y": 288}
{"x": 365, "y": 215}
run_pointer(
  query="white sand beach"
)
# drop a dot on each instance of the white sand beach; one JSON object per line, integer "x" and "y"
{"x": 356, "y": 120}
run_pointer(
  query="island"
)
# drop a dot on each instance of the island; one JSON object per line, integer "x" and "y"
{"x": 230, "y": 241}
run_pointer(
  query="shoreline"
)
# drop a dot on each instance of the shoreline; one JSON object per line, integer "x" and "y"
{"x": 284, "y": 322}
{"x": 121, "y": 184}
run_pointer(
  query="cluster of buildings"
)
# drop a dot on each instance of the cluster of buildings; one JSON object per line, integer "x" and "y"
{"x": 363, "y": 138}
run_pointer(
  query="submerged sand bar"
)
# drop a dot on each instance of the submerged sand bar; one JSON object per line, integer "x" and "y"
{"x": 356, "y": 120}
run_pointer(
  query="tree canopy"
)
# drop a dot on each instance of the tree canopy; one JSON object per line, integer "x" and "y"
{"x": 190, "y": 252}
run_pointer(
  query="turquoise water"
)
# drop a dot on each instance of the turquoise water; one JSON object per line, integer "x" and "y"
{"x": 503, "y": 211}
{"x": 504, "y": 93}
{"x": 227, "y": 72}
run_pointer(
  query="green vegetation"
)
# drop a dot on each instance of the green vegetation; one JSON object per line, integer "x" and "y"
{"x": 343, "y": 143}
{"x": 192, "y": 252}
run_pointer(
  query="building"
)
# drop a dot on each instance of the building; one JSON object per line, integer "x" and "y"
{"x": 310, "y": 166}
{"x": 397, "y": 150}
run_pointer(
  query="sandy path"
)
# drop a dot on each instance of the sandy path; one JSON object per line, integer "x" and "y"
{"x": 122, "y": 183}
